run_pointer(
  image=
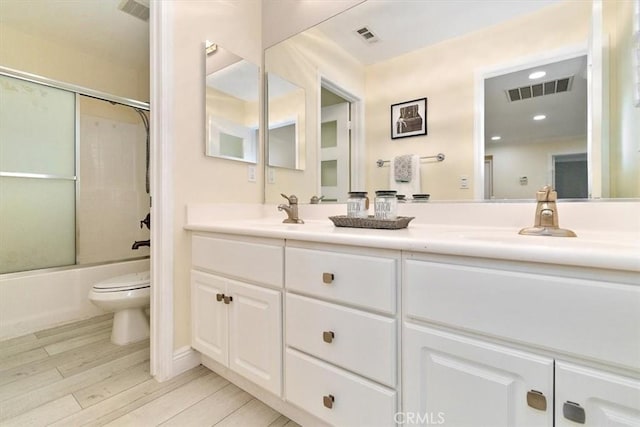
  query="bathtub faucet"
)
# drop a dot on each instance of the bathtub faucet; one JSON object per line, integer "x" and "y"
{"x": 139, "y": 243}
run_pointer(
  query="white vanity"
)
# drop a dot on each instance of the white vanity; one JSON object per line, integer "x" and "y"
{"x": 434, "y": 324}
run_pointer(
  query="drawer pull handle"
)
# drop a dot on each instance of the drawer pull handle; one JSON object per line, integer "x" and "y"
{"x": 227, "y": 299}
{"x": 536, "y": 400}
{"x": 219, "y": 297}
{"x": 327, "y": 278}
{"x": 328, "y": 401}
{"x": 328, "y": 336}
{"x": 574, "y": 412}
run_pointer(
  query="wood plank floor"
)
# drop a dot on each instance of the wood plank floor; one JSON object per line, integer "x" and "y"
{"x": 74, "y": 376}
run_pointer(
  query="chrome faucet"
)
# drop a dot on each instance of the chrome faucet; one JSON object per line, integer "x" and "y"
{"x": 315, "y": 200}
{"x": 291, "y": 210}
{"x": 546, "y": 220}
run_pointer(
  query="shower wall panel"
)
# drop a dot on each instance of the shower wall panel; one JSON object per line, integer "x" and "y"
{"x": 112, "y": 197}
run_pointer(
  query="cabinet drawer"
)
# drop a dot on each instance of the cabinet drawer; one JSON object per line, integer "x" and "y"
{"x": 588, "y": 318}
{"x": 362, "y": 342}
{"x": 253, "y": 261}
{"x": 310, "y": 384}
{"x": 359, "y": 280}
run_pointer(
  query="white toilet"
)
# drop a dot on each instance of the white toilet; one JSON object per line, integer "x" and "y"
{"x": 127, "y": 296}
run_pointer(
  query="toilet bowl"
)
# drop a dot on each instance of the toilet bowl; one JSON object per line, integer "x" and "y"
{"x": 127, "y": 297}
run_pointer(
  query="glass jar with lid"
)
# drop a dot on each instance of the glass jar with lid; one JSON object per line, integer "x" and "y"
{"x": 386, "y": 205}
{"x": 358, "y": 204}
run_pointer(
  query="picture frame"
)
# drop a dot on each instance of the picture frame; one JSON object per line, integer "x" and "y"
{"x": 409, "y": 118}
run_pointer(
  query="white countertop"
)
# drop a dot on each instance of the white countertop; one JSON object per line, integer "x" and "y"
{"x": 613, "y": 250}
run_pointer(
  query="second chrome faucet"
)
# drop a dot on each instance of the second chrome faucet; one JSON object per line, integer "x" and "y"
{"x": 291, "y": 209}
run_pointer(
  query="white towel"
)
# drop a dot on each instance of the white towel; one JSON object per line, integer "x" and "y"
{"x": 406, "y": 188}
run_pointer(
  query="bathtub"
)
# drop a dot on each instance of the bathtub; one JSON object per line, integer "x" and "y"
{"x": 41, "y": 299}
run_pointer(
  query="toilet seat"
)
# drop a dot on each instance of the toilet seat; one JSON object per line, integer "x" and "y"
{"x": 127, "y": 282}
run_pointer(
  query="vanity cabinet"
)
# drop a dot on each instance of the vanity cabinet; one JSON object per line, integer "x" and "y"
{"x": 469, "y": 382}
{"x": 341, "y": 333}
{"x": 456, "y": 362}
{"x": 236, "y": 323}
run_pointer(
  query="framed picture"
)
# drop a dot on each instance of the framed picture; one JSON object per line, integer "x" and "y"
{"x": 409, "y": 118}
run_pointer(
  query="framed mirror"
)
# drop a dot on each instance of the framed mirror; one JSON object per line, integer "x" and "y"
{"x": 286, "y": 112}
{"x": 388, "y": 52}
{"x": 535, "y": 130}
{"x": 231, "y": 105}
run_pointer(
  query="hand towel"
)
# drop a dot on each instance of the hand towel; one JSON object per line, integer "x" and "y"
{"x": 406, "y": 188}
{"x": 402, "y": 168}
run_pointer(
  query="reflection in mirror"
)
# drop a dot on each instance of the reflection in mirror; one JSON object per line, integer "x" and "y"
{"x": 535, "y": 131}
{"x": 231, "y": 105}
{"x": 413, "y": 55}
{"x": 286, "y": 139}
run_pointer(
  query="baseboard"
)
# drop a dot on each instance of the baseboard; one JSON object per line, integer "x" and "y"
{"x": 184, "y": 358}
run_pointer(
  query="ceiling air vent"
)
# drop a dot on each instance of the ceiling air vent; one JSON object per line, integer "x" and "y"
{"x": 540, "y": 89}
{"x": 367, "y": 35}
{"x": 137, "y": 8}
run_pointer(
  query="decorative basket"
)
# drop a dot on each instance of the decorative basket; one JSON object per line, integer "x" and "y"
{"x": 371, "y": 222}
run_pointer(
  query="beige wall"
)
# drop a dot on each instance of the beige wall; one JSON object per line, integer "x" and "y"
{"x": 624, "y": 148}
{"x": 315, "y": 56}
{"x": 533, "y": 160}
{"x": 197, "y": 178}
{"x": 66, "y": 63}
{"x": 444, "y": 73}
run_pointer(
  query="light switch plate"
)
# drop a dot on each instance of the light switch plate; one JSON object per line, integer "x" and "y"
{"x": 251, "y": 173}
{"x": 271, "y": 175}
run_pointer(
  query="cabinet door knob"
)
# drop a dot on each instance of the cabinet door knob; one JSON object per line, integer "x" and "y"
{"x": 227, "y": 299}
{"x": 219, "y": 297}
{"x": 328, "y": 401}
{"x": 536, "y": 400}
{"x": 574, "y": 412}
{"x": 327, "y": 278}
{"x": 328, "y": 336}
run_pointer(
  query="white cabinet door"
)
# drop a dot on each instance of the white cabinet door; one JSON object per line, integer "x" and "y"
{"x": 466, "y": 382}
{"x": 595, "y": 398}
{"x": 255, "y": 334}
{"x": 209, "y": 328}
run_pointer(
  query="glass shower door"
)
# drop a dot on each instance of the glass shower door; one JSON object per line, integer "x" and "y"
{"x": 37, "y": 176}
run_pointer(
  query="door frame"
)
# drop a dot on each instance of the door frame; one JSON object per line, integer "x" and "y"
{"x": 356, "y": 167}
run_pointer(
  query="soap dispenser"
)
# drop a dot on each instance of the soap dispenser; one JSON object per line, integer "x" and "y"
{"x": 546, "y": 220}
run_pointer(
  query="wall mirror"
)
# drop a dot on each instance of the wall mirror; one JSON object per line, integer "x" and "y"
{"x": 286, "y": 111}
{"x": 535, "y": 130}
{"x": 380, "y": 54}
{"x": 231, "y": 105}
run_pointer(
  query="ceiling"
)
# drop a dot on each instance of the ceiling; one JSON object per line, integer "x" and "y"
{"x": 97, "y": 27}
{"x": 402, "y": 26}
{"x": 566, "y": 112}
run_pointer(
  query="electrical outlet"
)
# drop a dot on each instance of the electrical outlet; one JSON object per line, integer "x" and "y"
{"x": 251, "y": 173}
{"x": 464, "y": 182}
{"x": 271, "y": 175}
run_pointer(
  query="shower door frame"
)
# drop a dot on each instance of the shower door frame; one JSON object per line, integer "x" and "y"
{"x": 77, "y": 91}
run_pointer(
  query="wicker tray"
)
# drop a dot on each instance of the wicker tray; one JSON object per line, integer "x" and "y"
{"x": 371, "y": 222}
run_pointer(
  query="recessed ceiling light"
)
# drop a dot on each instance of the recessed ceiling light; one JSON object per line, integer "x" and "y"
{"x": 539, "y": 117}
{"x": 537, "y": 75}
{"x": 496, "y": 138}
